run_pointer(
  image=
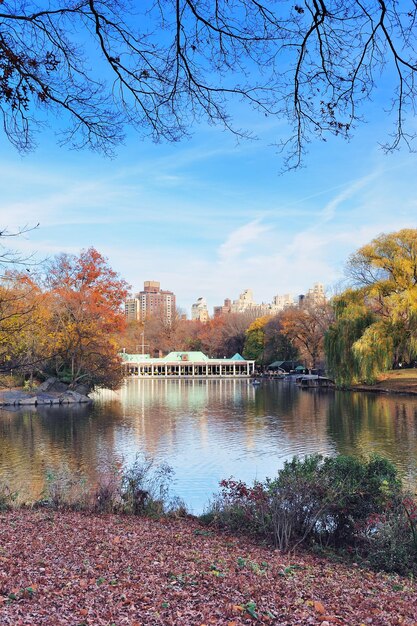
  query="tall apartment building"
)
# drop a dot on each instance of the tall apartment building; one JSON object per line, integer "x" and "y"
{"x": 244, "y": 302}
{"x": 222, "y": 309}
{"x": 151, "y": 302}
{"x": 132, "y": 309}
{"x": 199, "y": 310}
{"x": 316, "y": 294}
{"x": 279, "y": 303}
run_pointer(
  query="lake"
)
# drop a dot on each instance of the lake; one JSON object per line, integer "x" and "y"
{"x": 205, "y": 430}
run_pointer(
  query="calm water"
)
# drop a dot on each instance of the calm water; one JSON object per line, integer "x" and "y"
{"x": 206, "y": 430}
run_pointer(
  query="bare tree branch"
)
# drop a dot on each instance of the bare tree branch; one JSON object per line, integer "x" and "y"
{"x": 102, "y": 65}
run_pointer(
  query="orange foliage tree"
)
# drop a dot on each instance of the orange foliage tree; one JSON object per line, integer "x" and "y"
{"x": 85, "y": 299}
{"x": 305, "y": 327}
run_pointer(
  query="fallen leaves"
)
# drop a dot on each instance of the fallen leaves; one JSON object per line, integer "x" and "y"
{"x": 175, "y": 573}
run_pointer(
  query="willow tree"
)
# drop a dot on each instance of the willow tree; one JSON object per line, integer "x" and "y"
{"x": 376, "y": 321}
{"x": 352, "y": 320}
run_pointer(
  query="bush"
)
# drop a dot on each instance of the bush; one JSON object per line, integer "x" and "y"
{"x": 64, "y": 490}
{"x": 327, "y": 501}
{"x": 239, "y": 507}
{"x": 106, "y": 496}
{"x": 355, "y": 488}
{"x": 389, "y": 541}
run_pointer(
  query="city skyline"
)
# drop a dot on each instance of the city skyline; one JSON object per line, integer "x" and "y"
{"x": 136, "y": 309}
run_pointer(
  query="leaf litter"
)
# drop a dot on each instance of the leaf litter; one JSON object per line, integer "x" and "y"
{"x": 75, "y": 569}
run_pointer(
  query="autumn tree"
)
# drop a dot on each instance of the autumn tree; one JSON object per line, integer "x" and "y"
{"x": 19, "y": 316}
{"x": 132, "y": 337}
{"x": 235, "y": 326}
{"x": 85, "y": 298}
{"x": 160, "y": 66}
{"x": 382, "y": 307}
{"x": 278, "y": 346}
{"x": 255, "y": 340}
{"x": 266, "y": 341}
{"x": 189, "y": 335}
{"x": 305, "y": 326}
{"x": 162, "y": 334}
{"x": 211, "y": 337}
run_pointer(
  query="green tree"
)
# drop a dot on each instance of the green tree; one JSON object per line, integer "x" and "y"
{"x": 255, "y": 340}
{"x": 277, "y": 345}
{"x": 159, "y": 66}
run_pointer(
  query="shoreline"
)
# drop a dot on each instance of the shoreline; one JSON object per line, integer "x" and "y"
{"x": 21, "y": 398}
{"x": 376, "y": 390}
{"x": 399, "y": 382}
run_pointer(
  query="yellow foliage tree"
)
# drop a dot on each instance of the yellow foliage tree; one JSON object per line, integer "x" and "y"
{"x": 380, "y": 330}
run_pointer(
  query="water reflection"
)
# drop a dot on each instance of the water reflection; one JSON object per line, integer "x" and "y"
{"x": 206, "y": 430}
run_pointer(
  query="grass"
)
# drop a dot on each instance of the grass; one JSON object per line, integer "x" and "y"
{"x": 400, "y": 381}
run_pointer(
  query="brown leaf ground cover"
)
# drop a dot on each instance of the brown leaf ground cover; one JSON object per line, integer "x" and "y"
{"x": 75, "y": 569}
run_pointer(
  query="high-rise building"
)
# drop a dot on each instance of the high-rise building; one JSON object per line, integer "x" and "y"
{"x": 279, "y": 303}
{"x": 132, "y": 309}
{"x": 223, "y": 309}
{"x": 199, "y": 310}
{"x": 151, "y": 302}
{"x": 316, "y": 294}
{"x": 244, "y": 302}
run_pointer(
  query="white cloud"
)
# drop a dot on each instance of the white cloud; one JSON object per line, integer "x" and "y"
{"x": 329, "y": 211}
{"x": 239, "y": 239}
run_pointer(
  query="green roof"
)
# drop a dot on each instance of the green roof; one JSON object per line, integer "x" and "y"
{"x": 190, "y": 357}
{"x": 177, "y": 357}
{"x": 134, "y": 357}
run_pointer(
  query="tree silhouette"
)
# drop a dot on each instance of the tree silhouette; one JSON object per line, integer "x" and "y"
{"x": 104, "y": 64}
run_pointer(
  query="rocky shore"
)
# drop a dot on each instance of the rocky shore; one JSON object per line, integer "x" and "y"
{"x": 51, "y": 392}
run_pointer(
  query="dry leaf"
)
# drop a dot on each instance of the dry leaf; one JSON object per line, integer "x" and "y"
{"x": 319, "y": 607}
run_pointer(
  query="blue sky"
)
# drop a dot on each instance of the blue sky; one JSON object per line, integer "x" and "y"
{"x": 210, "y": 216}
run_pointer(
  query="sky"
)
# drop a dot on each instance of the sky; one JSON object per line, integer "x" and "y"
{"x": 210, "y": 216}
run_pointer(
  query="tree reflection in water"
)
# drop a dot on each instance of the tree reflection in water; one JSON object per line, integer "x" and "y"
{"x": 206, "y": 430}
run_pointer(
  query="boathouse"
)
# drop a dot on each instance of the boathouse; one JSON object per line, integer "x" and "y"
{"x": 187, "y": 364}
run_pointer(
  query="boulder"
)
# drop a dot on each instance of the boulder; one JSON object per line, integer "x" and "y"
{"x": 41, "y": 397}
{"x": 53, "y": 384}
{"x": 28, "y": 401}
{"x": 8, "y": 398}
{"x": 46, "y": 398}
{"x": 84, "y": 390}
{"x": 72, "y": 397}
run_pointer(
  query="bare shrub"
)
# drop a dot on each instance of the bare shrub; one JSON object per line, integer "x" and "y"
{"x": 145, "y": 486}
